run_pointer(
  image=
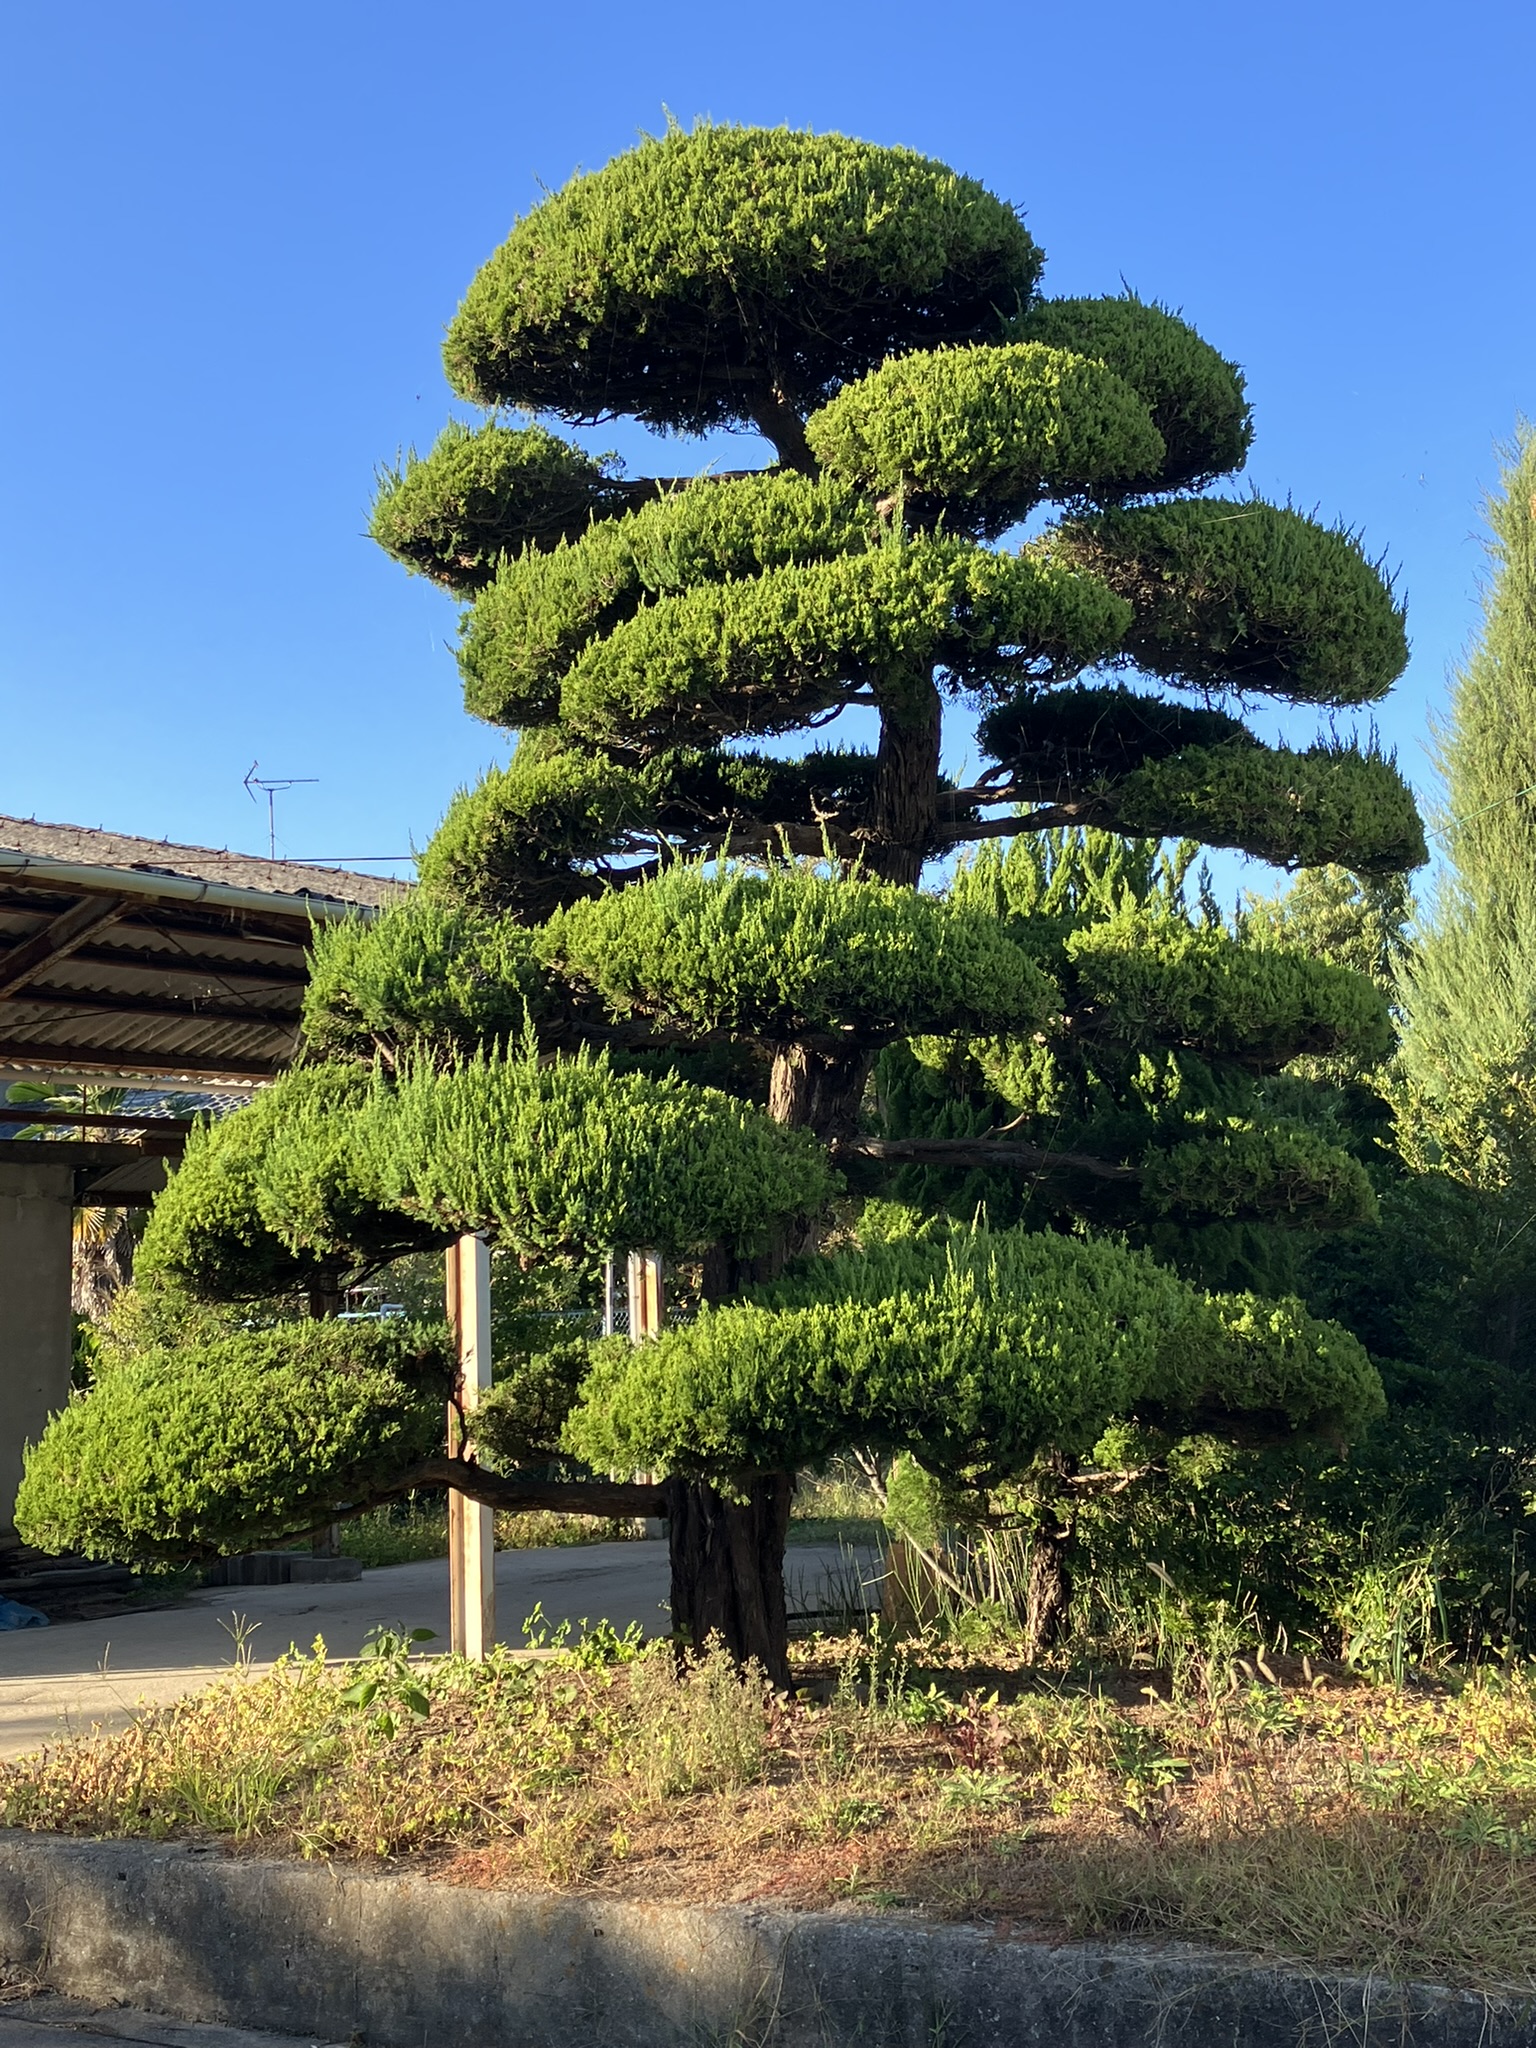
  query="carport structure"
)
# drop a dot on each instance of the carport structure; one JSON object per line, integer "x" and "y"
{"x": 128, "y": 961}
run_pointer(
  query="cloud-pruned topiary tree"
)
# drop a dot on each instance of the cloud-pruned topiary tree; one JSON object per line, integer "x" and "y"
{"x": 671, "y": 885}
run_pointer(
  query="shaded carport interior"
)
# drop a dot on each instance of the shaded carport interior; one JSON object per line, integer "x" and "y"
{"x": 133, "y": 962}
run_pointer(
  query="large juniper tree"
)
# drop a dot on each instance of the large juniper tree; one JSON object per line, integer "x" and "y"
{"x": 650, "y": 897}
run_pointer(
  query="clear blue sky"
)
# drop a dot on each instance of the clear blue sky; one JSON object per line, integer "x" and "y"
{"x": 233, "y": 235}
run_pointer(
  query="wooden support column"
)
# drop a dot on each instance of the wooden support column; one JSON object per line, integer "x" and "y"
{"x": 647, "y": 1299}
{"x": 647, "y": 1314}
{"x": 471, "y": 1527}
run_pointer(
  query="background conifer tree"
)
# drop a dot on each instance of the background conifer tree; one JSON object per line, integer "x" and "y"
{"x": 672, "y": 885}
{"x": 1467, "y": 1088}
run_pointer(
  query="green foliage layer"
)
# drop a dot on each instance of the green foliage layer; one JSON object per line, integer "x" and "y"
{"x": 1194, "y": 395}
{"x": 524, "y": 838}
{"x": 1240, "y": 595}
{"x": 258, "y": 1436}
{"x": 1331, "y": 803}
{"x": 484, "y": 492}
{"x": 569, "y": 1159}
{"x": 701, "y": 277}
{"x": 544, "y": 608}
{"x": 989, "y": 431}
{"x": 976, "y": 1356}
{"x": 424, "y": 970}
{"x": 767, "y": 655}
{"x": 333, "y": 1166}
{"x": 787, "y": 953}
{"x": 1146, "y": 977}
{"x": 269, "y": 1200}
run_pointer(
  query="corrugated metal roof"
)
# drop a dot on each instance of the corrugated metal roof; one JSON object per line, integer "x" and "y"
{"x": 135, "y": 959}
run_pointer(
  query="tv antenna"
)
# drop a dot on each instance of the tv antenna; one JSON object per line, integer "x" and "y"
{"x": 270, "y": 785}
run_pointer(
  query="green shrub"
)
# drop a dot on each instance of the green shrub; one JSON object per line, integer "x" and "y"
{"x": 786, "y": 953}
{"x": 423, "y": 971}
{"x": 975, "y": 1355}
{"x": 484, "y": 492}
{"x": 1151, "y": 978}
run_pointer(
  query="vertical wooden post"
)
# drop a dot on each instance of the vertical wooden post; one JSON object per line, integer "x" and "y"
{"x": 610, "y": 1290}
{"x": 471, "y": 1527}
{"x": 647, "y": 1314}
{"x": 647, "y": 1299}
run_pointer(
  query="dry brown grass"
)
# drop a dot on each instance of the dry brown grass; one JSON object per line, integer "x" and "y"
{"x": 1369, "y": 1828}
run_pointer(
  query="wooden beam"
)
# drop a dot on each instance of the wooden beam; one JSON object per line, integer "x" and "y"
{"x": 25, "y": 1113}
{"x": 647, "y": 1296}
{"x": 58, "y": 938}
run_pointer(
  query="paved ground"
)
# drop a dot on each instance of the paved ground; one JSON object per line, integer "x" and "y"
{"x": 58, "y": 1680}
{"x": 46, "y": 2021}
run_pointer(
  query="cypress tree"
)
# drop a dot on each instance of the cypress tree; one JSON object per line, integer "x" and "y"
{"x": 1466, "y": 1099}
{"x": 655, "y": 959}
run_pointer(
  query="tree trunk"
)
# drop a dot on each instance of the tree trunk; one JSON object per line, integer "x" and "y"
{"x": 728, "y": 1569}
{"x": 902, "y": 819}
{"x": 1048, "y": 1592}
{"x": 810, "y": 1090}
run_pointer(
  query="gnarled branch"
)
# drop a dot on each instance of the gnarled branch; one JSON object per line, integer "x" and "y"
{"x": 984, "y": 1152}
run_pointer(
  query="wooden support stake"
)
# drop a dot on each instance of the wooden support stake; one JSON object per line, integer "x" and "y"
{"x": 647, "y": 1300}
{"x": 471, "y": 1527}
{"x": 647, "y": 1314}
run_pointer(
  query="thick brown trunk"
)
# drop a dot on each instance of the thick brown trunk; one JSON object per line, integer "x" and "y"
{"x": 777, "y": 420}
{"x": 1047, "y": 1593}
{"x": 818, "y": 1091}
{"x": 901, "y": 822}
{"x": 728, "y": 1569}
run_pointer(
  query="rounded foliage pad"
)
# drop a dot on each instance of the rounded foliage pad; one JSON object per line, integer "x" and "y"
{"x": 989, "y": 431}
{"x": 531, "y": 624}
{"x": 1194, "y": 395}
{"x": 974, "y": 1355}
{"x": 703, "y": 278}
{"x": 513, "y": 841}
{"x": 1236, "y": 594}
{"x": 788, "y": 953}
{"x": 485, "y": 492}
{"x": 257, "y": 1436}
{"x": 568, "y": 1159}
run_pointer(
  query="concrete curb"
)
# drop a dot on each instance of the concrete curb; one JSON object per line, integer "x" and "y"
{"x": 403, "y": 1963}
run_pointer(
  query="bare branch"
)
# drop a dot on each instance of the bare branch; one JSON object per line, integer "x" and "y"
{"x": 983, "y": 1152}
{"x": 608, "y": 1499}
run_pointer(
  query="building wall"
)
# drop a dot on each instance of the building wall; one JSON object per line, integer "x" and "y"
{"x": 36, "y": 1328}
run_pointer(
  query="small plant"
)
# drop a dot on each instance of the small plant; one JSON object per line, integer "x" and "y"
{"x": 1392, "y": 1617}
{"x": 240, "y": 1628}
{"x": 387, "y": 1684}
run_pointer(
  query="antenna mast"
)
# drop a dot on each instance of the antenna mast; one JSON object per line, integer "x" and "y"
{"x": 269, "y": 785}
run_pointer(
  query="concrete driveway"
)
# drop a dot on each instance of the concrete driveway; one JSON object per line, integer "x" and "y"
{"x": 62, "y": 1680}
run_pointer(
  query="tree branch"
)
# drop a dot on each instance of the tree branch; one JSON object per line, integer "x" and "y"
{"x": 984, "y": 1152}
{"x": 1089, "y": 812}
{"x": 609, "y": 1499}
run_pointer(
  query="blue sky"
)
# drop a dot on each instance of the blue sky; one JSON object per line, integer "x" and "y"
{"x": 232, "y": 236}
